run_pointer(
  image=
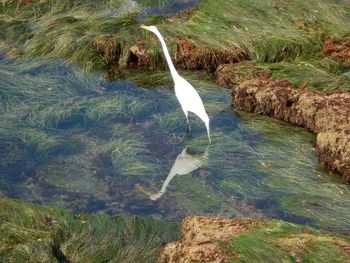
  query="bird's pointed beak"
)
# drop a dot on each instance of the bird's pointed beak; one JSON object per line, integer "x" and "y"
{"x": 144, "y": 27}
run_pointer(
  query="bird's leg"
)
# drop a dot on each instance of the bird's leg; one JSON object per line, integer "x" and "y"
{"x": 188, "y": 129}
{"x": 188, "y": 126}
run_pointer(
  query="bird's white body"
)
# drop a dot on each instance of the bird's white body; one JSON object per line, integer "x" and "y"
{"x": 188, "y": 97}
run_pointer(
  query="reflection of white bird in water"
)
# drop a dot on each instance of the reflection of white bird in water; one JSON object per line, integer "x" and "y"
{"x": 184, "y": 164}
{"x": 185, "y": 93}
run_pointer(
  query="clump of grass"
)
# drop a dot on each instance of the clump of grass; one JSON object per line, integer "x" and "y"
{"x": 269, "y": 32}
{"x": 70, "y": 30}
{"x": 279, "y": 241}
{"x": 322, "y": 74}
{"x": 31, "y": 233}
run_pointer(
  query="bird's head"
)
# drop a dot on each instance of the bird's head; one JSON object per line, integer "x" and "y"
{"x": 149, "y": 28}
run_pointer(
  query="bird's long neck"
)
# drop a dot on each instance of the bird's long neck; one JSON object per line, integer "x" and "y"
{"x": 173, "y": 71}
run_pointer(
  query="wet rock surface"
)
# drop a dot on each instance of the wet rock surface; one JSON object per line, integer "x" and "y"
{"x": 108, "y": 47}
{"x": 139, "y": 56}
{"x": 200, "y": 239}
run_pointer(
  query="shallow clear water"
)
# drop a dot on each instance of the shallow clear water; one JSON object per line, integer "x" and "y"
{"x": 78, "y": 141}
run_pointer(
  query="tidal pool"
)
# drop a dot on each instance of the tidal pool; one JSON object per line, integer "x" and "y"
{"x": 75, "y": 140}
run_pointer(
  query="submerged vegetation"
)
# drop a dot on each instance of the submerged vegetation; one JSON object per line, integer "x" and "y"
{"x": 78, "y": 141}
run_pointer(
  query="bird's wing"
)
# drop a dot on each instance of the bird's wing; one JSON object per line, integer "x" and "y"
{"x": 189, "y": 97}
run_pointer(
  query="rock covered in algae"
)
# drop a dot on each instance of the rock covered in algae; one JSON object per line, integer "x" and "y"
{"x": 278, "y": 98}
{"x": 31, "y": 233}
{"x": 218, "y": 239}
{"x": 328, "y": 114}
{"x": 334, "y": 147}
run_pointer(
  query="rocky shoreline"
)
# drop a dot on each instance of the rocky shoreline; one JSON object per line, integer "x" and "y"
{"x": 34, "y": 233}
{"x": 220, "y": 240}
{"x": 328, "y": 115}
{"x": 200, "y": 238}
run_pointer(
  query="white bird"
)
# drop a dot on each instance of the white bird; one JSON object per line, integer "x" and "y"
{"x": 188, "y": 97}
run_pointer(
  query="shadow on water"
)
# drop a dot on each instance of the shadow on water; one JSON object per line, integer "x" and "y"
{"x": 78, "y": 141}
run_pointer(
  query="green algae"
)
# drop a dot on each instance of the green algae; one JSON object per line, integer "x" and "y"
{"x": 323, "y": 74}
{"x": 283, "y": 180}
{"x": 241, "y": 21}
{"x": 102, "y": 40}
{"x": 47, "y": 234}
{"x": 31, "y": 232}
{"x": 278, "y": 241}
{"x": 67, "y": 29}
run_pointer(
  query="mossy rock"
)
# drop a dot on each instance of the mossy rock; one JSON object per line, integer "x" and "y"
{"x": 219, "y": 239}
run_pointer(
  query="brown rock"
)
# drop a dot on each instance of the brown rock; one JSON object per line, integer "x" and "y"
{"x": 200, "y": 237}
{"x": 231, "y": 75}
{"x": 326, "y": 114}
{"x": 188, "y": 56}
{"x": 334, "y": 148}
{"x": 338, "y": 49}
{"x": 139, "y": 56}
